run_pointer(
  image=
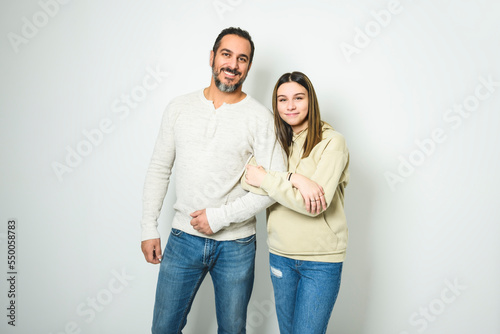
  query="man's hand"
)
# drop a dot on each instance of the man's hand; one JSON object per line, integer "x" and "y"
{"x": 255, "y": 175}
{"x": 152, "y": 250}
{"x": 200, "y": 222}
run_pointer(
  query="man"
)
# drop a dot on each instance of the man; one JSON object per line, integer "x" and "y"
{"x": 211, "y": 134}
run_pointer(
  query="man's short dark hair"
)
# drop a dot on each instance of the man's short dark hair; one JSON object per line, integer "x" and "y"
{"x": 234, "y": 31}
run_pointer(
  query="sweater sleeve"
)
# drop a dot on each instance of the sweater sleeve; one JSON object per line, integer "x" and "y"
{"x": 267, "y": 150}
{"x": 328, "y": 172}
{"x": 158, "y": 177}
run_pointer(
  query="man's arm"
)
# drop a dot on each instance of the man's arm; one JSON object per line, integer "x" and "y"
{"x": 155, "y": 188}
{"x": 312, "y": 192}
{"x": 267, "y": 150}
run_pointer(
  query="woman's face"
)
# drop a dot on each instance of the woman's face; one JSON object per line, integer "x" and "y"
{"x": 292, "y": 102}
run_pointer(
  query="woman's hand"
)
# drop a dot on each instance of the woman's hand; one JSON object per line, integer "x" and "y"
{"x": 255, "y": 175}
{"x": 312, "y": 193}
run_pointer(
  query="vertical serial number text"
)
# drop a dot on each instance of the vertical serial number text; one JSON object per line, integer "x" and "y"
{"x": 11, "y": 271}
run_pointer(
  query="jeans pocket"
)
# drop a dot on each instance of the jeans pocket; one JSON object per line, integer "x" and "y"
{"x": 176, "y": 232}
{"x": 246, "y": 240}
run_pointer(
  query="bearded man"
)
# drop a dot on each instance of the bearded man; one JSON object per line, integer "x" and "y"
{"x": 210, "y": 134}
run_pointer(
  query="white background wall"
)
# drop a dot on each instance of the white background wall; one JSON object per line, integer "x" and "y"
{"x": 423, "y": 253}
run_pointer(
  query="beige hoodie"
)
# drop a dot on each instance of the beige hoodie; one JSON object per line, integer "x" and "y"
{"x": 292, "y": 231}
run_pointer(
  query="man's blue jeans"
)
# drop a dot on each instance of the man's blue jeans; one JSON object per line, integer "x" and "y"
{"x": 304, "y": 292}
{"x": 185, "y": 263}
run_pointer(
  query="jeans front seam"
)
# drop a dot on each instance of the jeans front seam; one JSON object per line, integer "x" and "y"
{"x": 205, "y": 252}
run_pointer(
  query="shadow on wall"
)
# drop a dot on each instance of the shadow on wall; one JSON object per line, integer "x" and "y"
{"x": 202, "y": 318}
{"x": 350, "y": 310}
{"x": 260, "y": 85}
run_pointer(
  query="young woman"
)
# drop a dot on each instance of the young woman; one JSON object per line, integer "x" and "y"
{"x": 307, "y": 231}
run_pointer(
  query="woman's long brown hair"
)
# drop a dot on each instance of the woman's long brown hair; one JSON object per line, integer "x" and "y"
{"x": 283, "y": 130}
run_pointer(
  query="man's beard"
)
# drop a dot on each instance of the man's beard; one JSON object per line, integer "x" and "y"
{"x": 222, "y": 86}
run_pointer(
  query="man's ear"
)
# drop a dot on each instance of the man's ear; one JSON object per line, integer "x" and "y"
{"x": 211, "y": 58}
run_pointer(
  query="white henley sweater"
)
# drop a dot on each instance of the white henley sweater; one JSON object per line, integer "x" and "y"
{"x": 211, "y": 148}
